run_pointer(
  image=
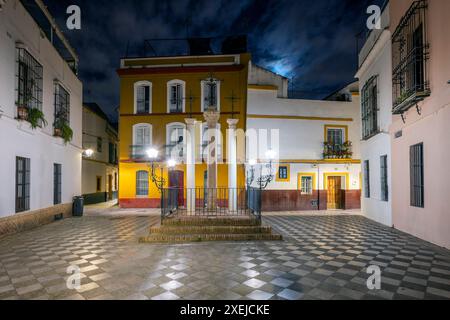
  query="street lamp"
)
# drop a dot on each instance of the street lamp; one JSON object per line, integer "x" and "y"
{"x": 88, "y": 153}
{"x": 264, "y": 180}
{"x": 158, "y": 181}
{"x": 251, "y": 172}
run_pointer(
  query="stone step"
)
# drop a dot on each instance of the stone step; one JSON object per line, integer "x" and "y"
{"x": 211, "y": 221}
{"x": 177, "y": 238}
{"x": 188, "y": 229}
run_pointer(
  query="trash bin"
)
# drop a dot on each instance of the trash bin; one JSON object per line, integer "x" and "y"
{"x": 77, "y": 207}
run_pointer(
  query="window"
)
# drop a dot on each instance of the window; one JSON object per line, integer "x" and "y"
{"x": 99, "y": 144}
{"x": 142, "y": 97}
{"x": 22, "y": 184}
{"x": 306, "y": 185}
{"x": 175, "y": 96}
{"x": 175, "y": 140}
{"x": 366, "y": 179}
{"x": 62, "y": 106}
{"x": 369, "y": 108}
{"x": 142, "y": 140}
{"x": 28, "y": 80}
{"x": 99, "y": 183}
{"x": 142, "y": 183}
{"x": 112, "y": 153}
{"x": 283, "y": 173}
{"x": 416, "y": 175}
{"x": 335, "y": 136}
{"x": 410, "y": 59}
{"x": 384, "y": 178}
{"x": 210, "y": 94}
{"x": 56, "y": 183}
{"x": 115, "y": 181}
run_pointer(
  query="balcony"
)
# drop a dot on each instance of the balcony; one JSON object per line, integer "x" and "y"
{"x": 138, "y": 152}
{"x": 337, "y": 151}
{"x": 410, "y": 57}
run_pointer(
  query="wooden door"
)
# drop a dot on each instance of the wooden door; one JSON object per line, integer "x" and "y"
{"x": 334, "y": 200}
{"x": 176, "y": 180}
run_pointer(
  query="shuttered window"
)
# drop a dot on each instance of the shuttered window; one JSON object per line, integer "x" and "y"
{"x": 143, "y": 99}
{"x": 416, "y": 175}
{"x": 22, "y": 184}
{"x": 57, "y": 183}
{"x": 176, "y": 98}
{"x": 384, "y": 178}
{"x": 366, "y": 179}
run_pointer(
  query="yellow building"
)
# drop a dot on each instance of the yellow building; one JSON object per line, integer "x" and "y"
{"x": 157, "y": 95}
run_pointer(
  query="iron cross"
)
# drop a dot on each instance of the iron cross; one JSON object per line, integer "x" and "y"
{"x": 233, "y": 98}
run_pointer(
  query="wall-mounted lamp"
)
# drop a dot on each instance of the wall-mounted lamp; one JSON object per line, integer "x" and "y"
{"x": 88, "y": 153}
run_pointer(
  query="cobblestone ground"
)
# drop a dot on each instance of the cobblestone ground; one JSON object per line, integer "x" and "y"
{"x": 321, "y": 257}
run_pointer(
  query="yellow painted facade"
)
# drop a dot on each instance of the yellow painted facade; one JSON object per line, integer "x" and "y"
{"x": 232, "y": 73}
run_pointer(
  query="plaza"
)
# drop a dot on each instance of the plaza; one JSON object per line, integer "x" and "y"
{"x": 323, "y": 256}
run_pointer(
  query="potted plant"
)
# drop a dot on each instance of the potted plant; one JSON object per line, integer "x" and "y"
{"x": 63, "y": 130}
{"x": 23, "y": 109}
{"x": 35, "y": 117}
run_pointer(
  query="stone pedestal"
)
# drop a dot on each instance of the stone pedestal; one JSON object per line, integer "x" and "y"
{"x": 212, "y": 117}
{"x": 232, "y": 164}
{"x": 190, "y": 165}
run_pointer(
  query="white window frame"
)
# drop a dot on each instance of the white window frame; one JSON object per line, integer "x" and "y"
{"x": 169, "y": 128}
{"x": 301, "y": 185}
{"x": 136, "y": 86}
{"x": 183, "y": 93}
{"x": 202, "y": 85}
{"x": 137, "y": 125}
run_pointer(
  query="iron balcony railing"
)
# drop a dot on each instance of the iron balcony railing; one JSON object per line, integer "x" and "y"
{"x": 211, "y": 202}
{"x": 139, "y": 152}
{"x": 337, "y": 150}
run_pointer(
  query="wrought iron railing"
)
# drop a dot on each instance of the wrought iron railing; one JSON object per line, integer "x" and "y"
{"x": 139, "y": 152}
{"x": 410, "y": 56}
{"x": 337, "y": 150}
{"x": 210, "y": 202}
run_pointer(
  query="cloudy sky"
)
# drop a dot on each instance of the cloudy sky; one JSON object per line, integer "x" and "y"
{"x": 311, "y": 41}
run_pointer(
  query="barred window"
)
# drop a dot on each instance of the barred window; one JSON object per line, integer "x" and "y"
{"x": 210, "y": 94}
{"x": 416, "y": 175}
{"x": 306, "y": 185}
{"x": 57, "y": 183}
{"x": 282, "y": 172}
{"x": 62, "y": 105}
{"x": 22, "y": 184}
{"x": 366, "y": 179}
{"x": 28, "y": 80}
{"x": 384, "y": 178}
{"x": 369, "y": 108}
{"x": 142, "y": 183}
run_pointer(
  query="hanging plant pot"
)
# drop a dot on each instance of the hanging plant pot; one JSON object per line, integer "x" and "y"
{"x": 22, "y": 112}
{"x": 57, "y": 132}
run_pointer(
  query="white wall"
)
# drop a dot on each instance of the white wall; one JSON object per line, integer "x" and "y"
{"x": 98, "y": 164}
{"x": 378, "y": 62}
{"x": 303, "y": 138}
{"x": 261, "y": 76}
{"x": 17, "y": 138}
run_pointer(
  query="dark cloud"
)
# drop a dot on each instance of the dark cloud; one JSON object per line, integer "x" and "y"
{"x": 312, "y": 42}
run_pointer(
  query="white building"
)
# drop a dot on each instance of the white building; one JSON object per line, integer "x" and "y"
{"x": 99, "y": 168}
{"x": 375, "y": 79}
{"x": 312, "y": 152}
{"x": 40, "y": 172}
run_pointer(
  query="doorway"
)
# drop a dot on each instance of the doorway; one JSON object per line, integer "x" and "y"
{"x": 176, "y": 181}
{"x": 334, "y": 194}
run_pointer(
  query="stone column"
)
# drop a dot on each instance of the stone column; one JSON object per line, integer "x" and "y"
{"x": 212, "y": 117}
{"x": 190, "y": 165}
{"x": 232, "y": 164}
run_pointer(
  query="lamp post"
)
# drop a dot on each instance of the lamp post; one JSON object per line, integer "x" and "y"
{"x": 251, "y": 172}
{"x": 158, "y": 181}
{"x": 264, "y": 180}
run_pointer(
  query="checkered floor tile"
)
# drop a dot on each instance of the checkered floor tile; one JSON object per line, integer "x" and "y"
{"x": 322, "y": 257}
